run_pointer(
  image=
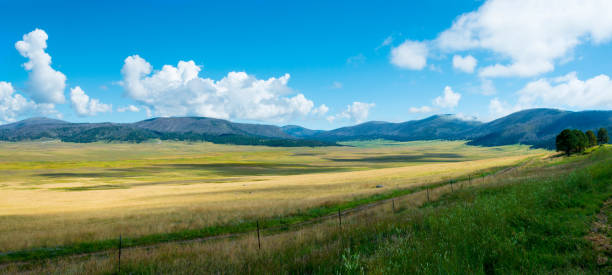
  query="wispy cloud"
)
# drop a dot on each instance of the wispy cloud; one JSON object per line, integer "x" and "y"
{"x": 356, "y": 60}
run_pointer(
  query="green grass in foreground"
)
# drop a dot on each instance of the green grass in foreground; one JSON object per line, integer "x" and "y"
{"x": 533, "y": 226}
{"x": 280, "y": 223}
{"x": 522, "y": 226}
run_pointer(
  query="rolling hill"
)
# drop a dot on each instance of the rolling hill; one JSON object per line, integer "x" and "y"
{"x": 448, "y": 127}
{"x": 211, "y": 126}
{"x": 179, "y": 128}
{"x": 535, "y": 127}
{"x": 299, "y": 131}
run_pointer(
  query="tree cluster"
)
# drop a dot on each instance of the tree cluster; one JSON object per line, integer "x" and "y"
{"x": 602, "y": 136}
{"x": 576, "y": 141}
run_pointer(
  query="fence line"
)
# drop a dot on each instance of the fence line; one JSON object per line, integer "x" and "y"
{"x": 119, "y": 257}
{"x": 345, "y": 212}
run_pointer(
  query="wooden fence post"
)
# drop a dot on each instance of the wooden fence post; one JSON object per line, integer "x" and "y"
{"x": 339, "y": 218}
{"x": 119, "y": 257}
{"x": 258, "y": 237}
{"x": 427, "y": 194}
{"x": 393, "y": 204}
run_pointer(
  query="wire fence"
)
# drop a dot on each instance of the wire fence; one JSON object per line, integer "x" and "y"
{"x": 339, "y": 215}
{"x": 429, "y": 188}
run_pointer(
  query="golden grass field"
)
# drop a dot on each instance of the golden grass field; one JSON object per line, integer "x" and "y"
{"x": 61, "y": 193}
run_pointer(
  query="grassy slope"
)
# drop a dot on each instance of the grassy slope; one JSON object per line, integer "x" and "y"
{"x": 537, "y": 226}
{"x": 534, "y": 226}
{"x": 58, "y": 194}
{"x": 278, "y": 223}
{"x": 531, "y": 223}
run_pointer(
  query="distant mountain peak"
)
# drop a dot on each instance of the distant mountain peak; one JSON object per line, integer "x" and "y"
{"x": 33, "y": 121}
{"x": 439, "y": 116}
{"x": 374, "y": 122}
{"x": 465, "y": 117}
{"x": 540, "y": 111}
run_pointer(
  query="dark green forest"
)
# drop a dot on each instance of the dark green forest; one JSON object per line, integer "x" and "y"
{"x": 137, "y": 135}
{"x": 576, "y": 141}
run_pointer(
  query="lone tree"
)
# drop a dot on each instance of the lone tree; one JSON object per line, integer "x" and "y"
{"x": 592, "y": 138}
{"x": 572, "y": 141}
{"x": 602, "y": 136}
{"x": 582, "y": 142}
{"x": 564, "y": 141}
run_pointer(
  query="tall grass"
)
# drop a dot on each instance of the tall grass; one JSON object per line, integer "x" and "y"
{"x": 535, "y": 226}
{"x": 48, "y": 217}
{"x": 233, "y": 228}
{"x": 520, "y": 225}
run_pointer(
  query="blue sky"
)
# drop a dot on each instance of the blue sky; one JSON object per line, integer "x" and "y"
{"x": 320, "y": 64}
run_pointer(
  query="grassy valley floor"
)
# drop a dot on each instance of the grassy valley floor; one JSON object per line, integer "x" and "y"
{"x": 59, "y": 194}
{"x": 534, "y": 219}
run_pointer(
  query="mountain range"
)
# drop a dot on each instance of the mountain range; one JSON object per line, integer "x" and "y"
{"x": 535, "y": 127}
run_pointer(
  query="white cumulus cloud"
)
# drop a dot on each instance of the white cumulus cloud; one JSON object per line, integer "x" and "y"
{"x": 12, "y": 105}
{"x": 464, "y": 64}
{"x": 130, "y": 108}
{"x": 498, "y": 108}
{"x": 410, "y": 55}
{"x": 449, "y": 99}
{"x": 422, "y": 109}
{"x": 531, "y": 35}
{"x": 560, "y": 92}
{"x": 85, "y": 106}
{"x": 568, "y": 91}
{"x": 356, "y": 112}
{"x": 45, "y": 85}
{"x": 321, "y": 110}
{"x": 178, "y": 91}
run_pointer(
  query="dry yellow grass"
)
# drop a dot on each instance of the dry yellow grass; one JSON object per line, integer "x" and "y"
{"x": 46, "y": 215}
{"x": 229, "y": 255}
{"x": 52, "y": 218}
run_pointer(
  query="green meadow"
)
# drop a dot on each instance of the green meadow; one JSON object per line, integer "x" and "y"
{"x": 534, "y": 212}
{"x": 62, "y": 201}
{"x": 37, "y": 165}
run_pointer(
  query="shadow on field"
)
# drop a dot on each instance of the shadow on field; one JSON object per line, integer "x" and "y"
{"x": 309, "y": 154}
{"x": 219, "y": 169}
{"x": 92, "y": 187}
{"x": 252, "y": 169}
{"x": 426, "y": 157}
{"x": 80, "y": 175}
